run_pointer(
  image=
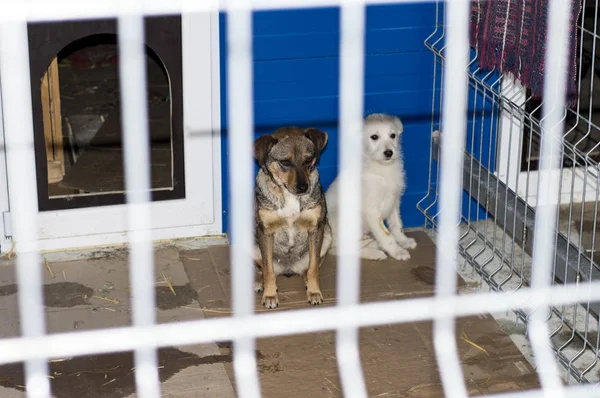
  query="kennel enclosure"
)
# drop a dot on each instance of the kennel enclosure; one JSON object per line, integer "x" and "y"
{"x": 35, "y": 347}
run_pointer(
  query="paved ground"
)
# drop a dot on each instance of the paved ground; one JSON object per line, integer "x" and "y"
{"x": 398, "y": 360}
{"x": 94, "y": 294}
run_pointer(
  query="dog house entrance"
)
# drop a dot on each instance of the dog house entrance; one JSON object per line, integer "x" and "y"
{"x": 77, "y": 112}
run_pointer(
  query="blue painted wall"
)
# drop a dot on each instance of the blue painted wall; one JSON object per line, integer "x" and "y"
{"x": 296, "y": 65}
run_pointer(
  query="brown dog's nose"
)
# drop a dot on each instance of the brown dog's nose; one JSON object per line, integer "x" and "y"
{"x": 302, "y": 187}
{"x": 388, "y": 153}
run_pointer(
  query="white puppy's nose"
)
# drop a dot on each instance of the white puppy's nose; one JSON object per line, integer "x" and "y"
{"x": 388, "y": 153}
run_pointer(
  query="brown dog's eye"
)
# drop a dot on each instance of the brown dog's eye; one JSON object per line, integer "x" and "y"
{"x": 393, "y": 136}
{"x": 309, "y": 161}
{"x": 285, "y": 163}
{"x": 374, "y": 137}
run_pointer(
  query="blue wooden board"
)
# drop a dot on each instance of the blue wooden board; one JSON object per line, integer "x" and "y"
{"x": 296, "y": 73}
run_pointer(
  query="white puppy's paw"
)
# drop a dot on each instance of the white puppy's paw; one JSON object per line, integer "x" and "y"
{"x": 399, "y": 253}
{"x": 409, "y": 243}
{"x": 369, "y": 253}
{"x": 258, "y": 287}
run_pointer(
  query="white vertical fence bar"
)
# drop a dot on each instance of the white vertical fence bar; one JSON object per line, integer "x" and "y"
{"x": 453, "y": 144}
{"x": 241, "y": 178}
{"x": 18, "y": 123}
{"x": 136, "y": 146}
{"x": 351, "y": 142}
{"x": 548, "y": 191}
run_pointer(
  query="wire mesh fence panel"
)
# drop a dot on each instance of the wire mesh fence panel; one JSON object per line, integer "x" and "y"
{"x": 504, "y": 187}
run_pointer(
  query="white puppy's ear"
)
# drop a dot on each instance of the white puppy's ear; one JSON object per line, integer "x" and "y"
{"x": 397, "y": 124}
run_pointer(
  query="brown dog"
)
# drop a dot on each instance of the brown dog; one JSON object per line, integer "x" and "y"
{"x": 292, "y": 231}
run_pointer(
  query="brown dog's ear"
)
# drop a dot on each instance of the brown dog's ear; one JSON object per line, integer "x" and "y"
{"x": 318, "y": 137}
{"x": 262, "y": 147}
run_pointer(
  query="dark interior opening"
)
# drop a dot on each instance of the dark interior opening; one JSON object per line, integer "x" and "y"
{"x": 90, "y": 112}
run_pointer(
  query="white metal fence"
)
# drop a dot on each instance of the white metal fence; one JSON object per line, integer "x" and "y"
{"x": 35, "y": 347}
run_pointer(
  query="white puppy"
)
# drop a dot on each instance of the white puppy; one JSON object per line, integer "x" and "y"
{"x": 383, "y": 183}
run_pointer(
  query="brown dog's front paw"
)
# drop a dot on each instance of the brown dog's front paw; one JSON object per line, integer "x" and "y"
{"x": 314, "y": 298}
{"x": 270, "y": 301}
